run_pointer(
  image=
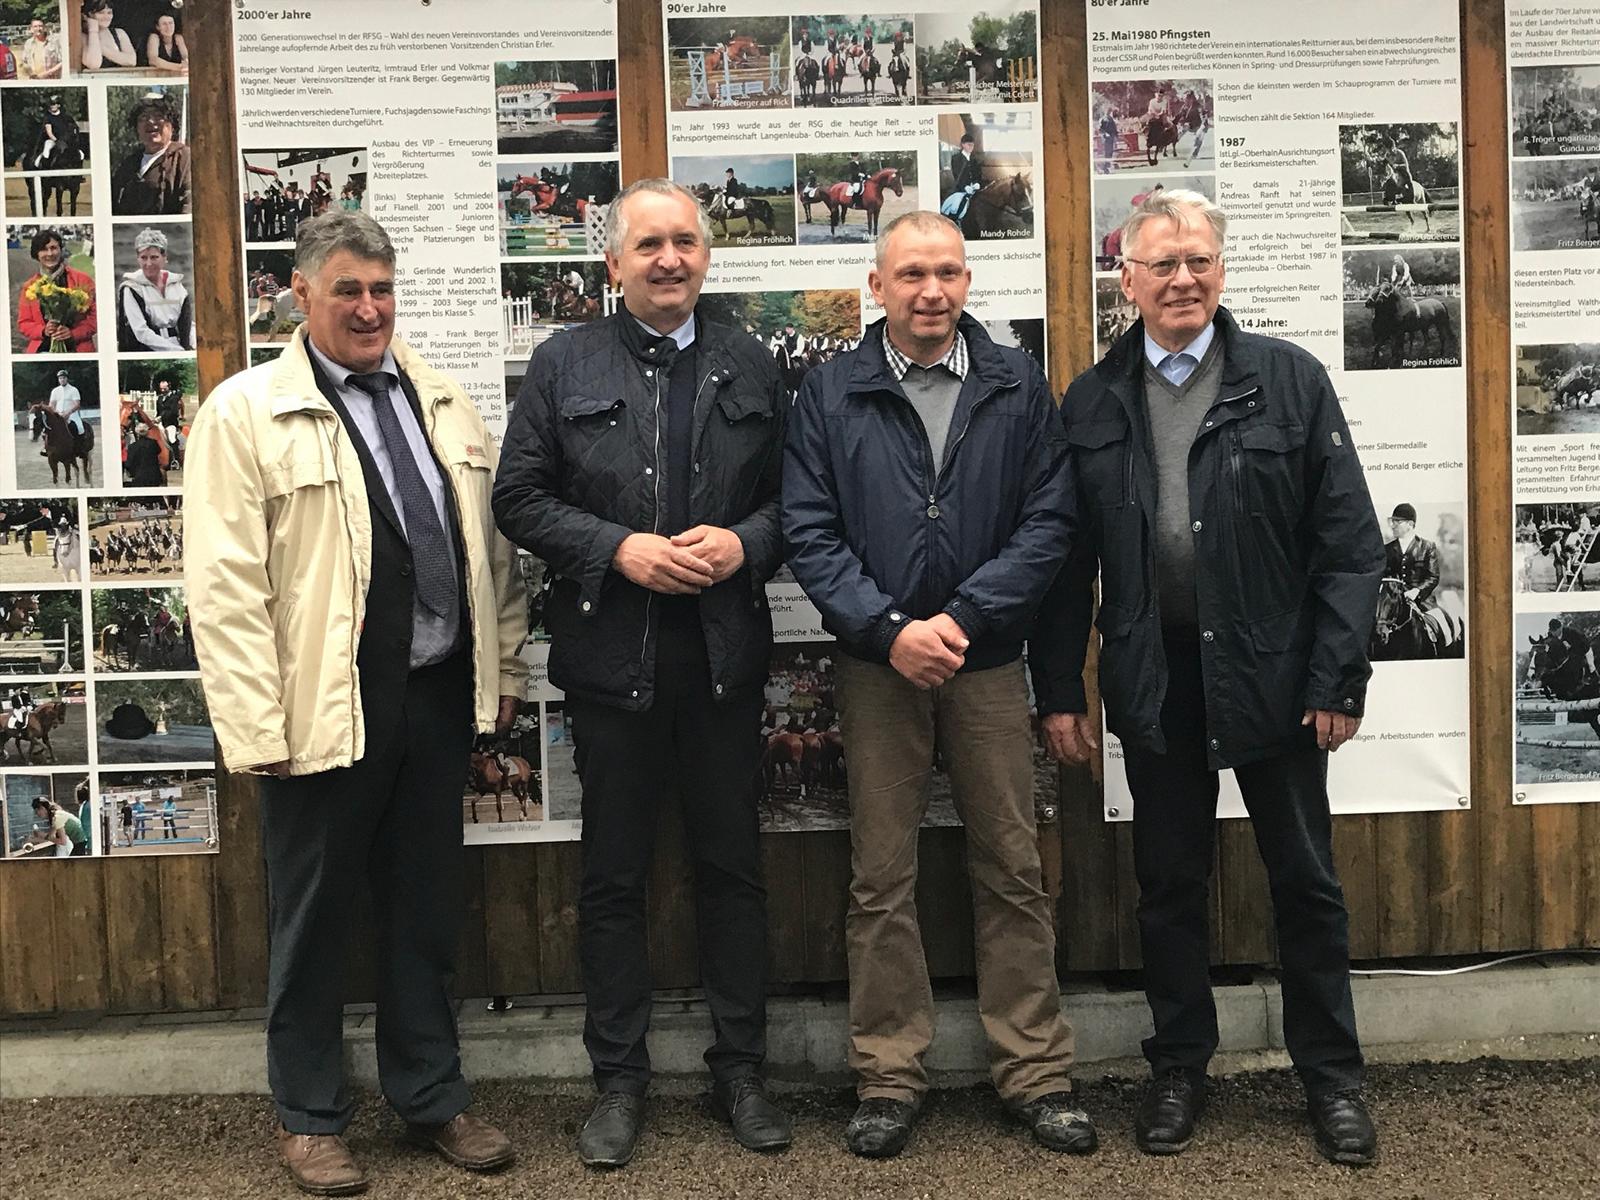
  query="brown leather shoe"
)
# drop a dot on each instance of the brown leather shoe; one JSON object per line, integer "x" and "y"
{"x": 321, "y": 1163}
{"x": 467, "y": 1141}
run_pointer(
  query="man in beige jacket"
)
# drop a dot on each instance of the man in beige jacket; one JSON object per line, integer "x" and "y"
{"x": 357, "y": 618}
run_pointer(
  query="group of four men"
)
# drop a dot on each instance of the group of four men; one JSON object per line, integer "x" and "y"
{"x": 358, "y": 615}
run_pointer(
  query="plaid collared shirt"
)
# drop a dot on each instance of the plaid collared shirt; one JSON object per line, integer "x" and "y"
{"x": 954, "y": 361}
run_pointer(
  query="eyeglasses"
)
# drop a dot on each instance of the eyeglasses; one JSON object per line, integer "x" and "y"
{"x": 1166, "y": 268}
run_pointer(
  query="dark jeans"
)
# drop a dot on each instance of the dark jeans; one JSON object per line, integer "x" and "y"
{"x": 1174, "y": 819}
{"x": 708, "y": 751}
{"x": 394, "y": 816}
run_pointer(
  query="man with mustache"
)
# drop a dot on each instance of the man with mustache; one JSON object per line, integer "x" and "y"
{"x": 1239, "y": 559}
{"x": 927, "y": 507}
{"x": 641, "y": 465}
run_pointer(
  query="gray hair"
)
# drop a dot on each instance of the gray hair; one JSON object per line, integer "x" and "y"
{"x": 320, "y": 238}
{"x": 1180, "y": 205}
{"x": 923, "y": 221}
{"x": 150, "y": 239}
{"x": 616, "y": 226}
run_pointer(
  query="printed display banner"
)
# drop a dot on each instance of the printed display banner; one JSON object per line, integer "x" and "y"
{"x": 804, "y": 131}
{"x": 1335, "y": 150}
{"x": 1553, "y": 56}
{"x": 484, "y": 138}
{"x": 105, "y": 744}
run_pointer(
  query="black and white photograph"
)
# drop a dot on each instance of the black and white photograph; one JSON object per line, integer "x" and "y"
{"x": 1152, "y": 125}
{"x": 750, "y": 198}
{"x": 1023, "y": 333}
{"x": 31, "y": 30}
{"x": 1114, "y": 313}
{"x": 282, "y": 188}
{"x": 152, "y": 720}
{"x": 143, "y": 39}
{"x": 505, "y": 775}
{"x": 141, "y": 629}
{"x": 1558, "y": 388}
{"x": 986, "y": 172}
{"x": 536, "y": 579}
{"x": 556, "y": 106}
{"x": 48, "y": 152}
{"x": 847, "y": 196}
{"x": 1557, "y": 546}
{"x": 1115, "y": 200}
{"x": 853, "y": 59}
{"x": 801, "y": 330}
{"x": 43, "y": 724}
{"x": 1422, "y": 600}
{"x": 563, "y": 788}
{"x": 41, "y": 633}
{"x": 155, "y": 301}
{"x": 1555, "y": 204}
{"x": 157, "y": 398}
{"x": 41, "y": 541}
{"x": 274, "y": 314}
{"x": 1557, "y": 697}
{"x": 1402, "y": 308}
{"x": 1555, "y": 110}
{"x": 553, "y": 209}
{"x": 987, "y": 57}
{"x": 135, "y": 539}
{"x": 53, "y": 307}
{"x": 732, "y": 62}
{"x": 1399, "y": 183}
{"x": 540, "y": 299}
{"x": 158, "y": 812}
{"x": 48, "y": 815}
{"x": 56, "y": 423}
{"x": 151, "y": 170}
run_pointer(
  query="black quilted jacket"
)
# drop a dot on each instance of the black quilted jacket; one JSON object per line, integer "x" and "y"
{"x": 585, "y": 464}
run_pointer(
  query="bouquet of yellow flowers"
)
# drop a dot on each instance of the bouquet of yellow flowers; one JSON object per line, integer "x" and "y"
{"x": 61, "y": 305}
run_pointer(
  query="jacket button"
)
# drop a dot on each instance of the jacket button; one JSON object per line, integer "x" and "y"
{"x": 1349, "y": 703}
{"x": 649, "y": 374}
{"x": 587, "y": 606}
{"x": 1214, "y": 744}
{"x": 1197, "y": 526}
{"x": 933, "y": 512}
{"x": 894, "y": 616}
{"x": 719, "y": 689}
{"x": 613, "y": 420}
{"x": 405, "y": 569}
{"x": 649, "y": 470}
{"x": 635, "y": 693}
{"x": 1208, "y": 636}
{"x": 697, "y": 468}
{"x": 1209, "y": 424}
{"x": 1252, "y": 404}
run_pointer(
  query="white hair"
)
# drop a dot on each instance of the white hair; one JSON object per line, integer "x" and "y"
{"x": 616, "y": 225}
{"x": 1180, "y": 205}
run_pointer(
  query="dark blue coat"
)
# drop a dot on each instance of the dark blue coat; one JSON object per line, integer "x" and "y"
{"x": 877, "y": 533}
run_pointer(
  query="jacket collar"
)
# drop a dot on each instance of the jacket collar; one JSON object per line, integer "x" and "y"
{"x": 1122, "y": 369}
{"x": 710, "y": 346}
{"x": 292, "y": 387}
{"x": 870, "y": 372}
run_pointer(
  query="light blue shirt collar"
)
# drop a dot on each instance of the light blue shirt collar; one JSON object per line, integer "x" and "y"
{"x": 338, "y": 373}
{"x": 1195, "y": 349}
{"x": 682, "y": 336}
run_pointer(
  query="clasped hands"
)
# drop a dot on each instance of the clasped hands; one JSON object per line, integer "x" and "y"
{"x": 929, "y": 652}
{"x": 683, "y": 565}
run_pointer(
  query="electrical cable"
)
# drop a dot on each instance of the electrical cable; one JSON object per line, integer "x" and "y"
{"x": 1493, "y": 962}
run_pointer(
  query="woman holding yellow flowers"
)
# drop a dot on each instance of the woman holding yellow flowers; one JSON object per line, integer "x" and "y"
{"x": 56, "y": 312}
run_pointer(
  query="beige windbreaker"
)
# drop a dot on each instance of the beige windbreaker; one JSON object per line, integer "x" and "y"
{"x": 278, "y": 557}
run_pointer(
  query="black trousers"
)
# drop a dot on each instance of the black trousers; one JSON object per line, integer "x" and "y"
{"x": 395, "y": 817}
{"x": 1174, "y": 819}
{"x": 708, "y": 752}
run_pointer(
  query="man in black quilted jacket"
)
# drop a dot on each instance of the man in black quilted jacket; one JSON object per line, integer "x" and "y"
{"x": 642, "y": 465}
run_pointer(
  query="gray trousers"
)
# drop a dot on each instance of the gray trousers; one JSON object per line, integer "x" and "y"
{"x": 395, "y": 818}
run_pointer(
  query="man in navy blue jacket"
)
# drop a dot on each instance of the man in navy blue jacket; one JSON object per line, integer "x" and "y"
{"x": 927, "y": 507}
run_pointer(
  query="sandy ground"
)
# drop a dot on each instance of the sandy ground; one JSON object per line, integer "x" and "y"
{"x": 1488, "y": 1129}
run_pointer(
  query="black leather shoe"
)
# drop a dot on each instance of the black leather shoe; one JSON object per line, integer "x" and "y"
{"x": 611, "y": 1134}
{"x": 1343, "y": 1126}
{"x": 881, "y": 1128}
{"x": 1165, "y": 1121}
{"x": 758, "y": 1123}
{"x": 1058, "y": 1124}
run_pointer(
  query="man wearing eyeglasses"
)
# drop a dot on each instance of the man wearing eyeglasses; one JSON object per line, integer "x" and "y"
{"x": 1224, "y": 508}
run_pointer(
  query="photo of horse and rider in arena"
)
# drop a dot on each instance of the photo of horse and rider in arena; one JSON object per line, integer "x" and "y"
{"x": 141, "y": 629}
{"x": 1402, "y": 308}
{"x": 1558, "y": 697}
{"x": 505, "y": 774}
{"x": 41, "y": 633}
{"x": 1555, "y": 110}
{"x": 556, "y": 106}
{"x": 1152, "y": 125}
{"x": 801, "y": 330}
{"x": 548, "y": 209}
{"x": 854, "y": 193}
{"x": 986, "y": 173}
{"x": 988, "y": 58}
{"x": 1399, "y": 183}
{"x": 1558, "y": 388}
{"x": 56, "y": 423}
{"x": 171, "y": 812}
{"x": 540, "y": 299}
{"x": 853, "y": 60}
{"x": 1558, "y": 547}
{"x": 750, "y": 198}
{"x": 1555, "y": 204}
{"x": 47, "y": 152}
{"x": 1115, "y": 200}
{"x": 40, "y": 541}
{"x": 1422, "y": 600}
{"x": 43, "y": 723}
{"x": 728, "y": 63}
{"x": 135, "y": 539}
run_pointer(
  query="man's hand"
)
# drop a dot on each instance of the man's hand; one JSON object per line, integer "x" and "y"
{"x": 950, "y": 632}
{"x": 507, "y": 714}
{"x": 922, "y": 655}
{"x": 1334, "y": 729}
{"x": 720, "y": 548}
{"x": 279, "y": 770}
{"x": 653, "y": 562}
{"x": 1070, "y": 737}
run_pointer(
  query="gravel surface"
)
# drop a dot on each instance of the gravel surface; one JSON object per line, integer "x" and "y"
{"x": 1481, "y": 1130}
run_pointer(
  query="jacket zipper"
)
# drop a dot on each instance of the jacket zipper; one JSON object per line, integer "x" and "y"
{"x": 949, "y": 457}
{"x": 1238, "y": 478}
{"x": 655, "y": 518}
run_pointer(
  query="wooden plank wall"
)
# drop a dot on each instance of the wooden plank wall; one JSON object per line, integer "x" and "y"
{"x": 133, "y": 935}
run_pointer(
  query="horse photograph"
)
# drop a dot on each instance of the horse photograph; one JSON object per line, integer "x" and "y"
{"x": 141, "y": 629}
{"x": 853, "y": 60}
{"x": 545, "y": 209}
{"x": 563, "y": 788}
{"x": 41, "y": 633}
{"x": 556, "y": 106}
{"x": 800, "y": 329}
{"x": 836, "y": 210}
{"x": 135, "y": 539}
{"x": 539, "y": 299}
{"x": 1558, "y": 388}
{"x": 1555, "y": 110}
{"x": 1555, "y": 204}
{"x": 54, "y": 731}
{"x": 994, "y": 196}
{"x": 760, "y": 211}
{"x": 1557, "y": 697}
{"x": 1023, "y": 333}
{"x": 165, "y": 812}
{"x": 1114, "y": 202}
{"x": 152, "y": 720}
{"x": 505, "y": 780}
{"x": 274, "y": 314}
{"x": 29, "y": 531}
{"x": 1114, "y": 313}
{"x": 1399, "y": 183}
{"x": 47, "y": 152}
{"x": 54, "y": 450}
{"x": 1557, "y": 547}
{"x": 990, "y": 56}
{"x": 1151, "y": 125}
{"x": 730, "y": 62}
{"x": 1432, "y": 624}
{"x": 1402, "y": 308}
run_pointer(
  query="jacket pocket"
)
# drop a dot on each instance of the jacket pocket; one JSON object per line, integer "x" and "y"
{"x": 289, "y": 475}
{"x": 1268, "y": 470}
{"x": 1103, "y": 454}
{"x": 1281, "y": 632}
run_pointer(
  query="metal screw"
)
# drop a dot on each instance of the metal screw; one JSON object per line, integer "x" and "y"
{"x": 1111, "y": 812}
{"x": 1462, "y": 801}
{"x": 1049, "y": 812}
{"x": 1519, "y": 797}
